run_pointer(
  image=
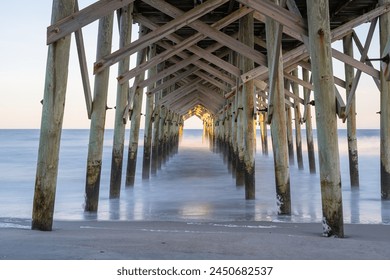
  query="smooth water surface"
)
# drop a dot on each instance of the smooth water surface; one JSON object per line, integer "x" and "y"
{"x": 194, "y": 185}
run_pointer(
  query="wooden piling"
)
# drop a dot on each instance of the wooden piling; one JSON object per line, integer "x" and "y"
{"x": 278, "y": 123}
{"x": 263, "y": 131}
{"x": 148, "y": 129}
{"x": 290, "y": 141}
{"x": 321, "y": 59}
{"x": 385, "y": 109}
{"x": 351, "y": 120}
{"x": 234, "y": 136}
{"x": 51, "y": 123}
{"x": 156, "y": 125}
{"x": 121, "y": 102}
{"x": 135, "y": 119}
{"x": 161, "y": 146}
{"x": 98, "y": 117}
{"x": 308, "y": 122}
{"x": 298, "y": 117}
{"x": 246, "y": 36}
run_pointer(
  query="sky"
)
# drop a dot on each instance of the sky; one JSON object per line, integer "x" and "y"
{"x": 23, "y": 53}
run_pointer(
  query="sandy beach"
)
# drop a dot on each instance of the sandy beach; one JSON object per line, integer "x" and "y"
{"x": 146, "y": 240}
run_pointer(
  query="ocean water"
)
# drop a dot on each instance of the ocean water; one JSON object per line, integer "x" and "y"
{"x": 194, "y": 185}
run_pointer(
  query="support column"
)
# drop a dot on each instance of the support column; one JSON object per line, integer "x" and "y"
{"x": 156, "y": 126}
{"x": 351, "y": 120}
{"x": 135, "y": 119}
{"x": 148, "y": 130}
{"x": 98, "y": 118}
{"x": 51, "y": 123}
{"x": 308, "y": 122}
{"x": 278, "y": 123}
{"x": 263, "y": 131}
{"x": 248, "y": 101}
{"x": 121, "y": 102}
{"x": 234, "y": 136}
{"x": 385, "y": 110}
{"x": 321, "y": 60}
{"x": 163, "y": 114}
{"x": 290, "y": 141}
{"x": 297, "y": 114}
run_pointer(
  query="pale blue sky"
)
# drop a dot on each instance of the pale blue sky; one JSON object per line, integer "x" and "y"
{"x": 23, "y": 54}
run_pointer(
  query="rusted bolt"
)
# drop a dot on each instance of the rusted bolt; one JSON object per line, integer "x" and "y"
{"x": 321, "y": 32}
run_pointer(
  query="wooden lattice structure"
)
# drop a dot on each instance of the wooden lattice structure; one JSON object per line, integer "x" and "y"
{"x": 232, "y": 63}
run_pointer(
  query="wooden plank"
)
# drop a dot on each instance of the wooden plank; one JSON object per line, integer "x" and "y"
{"x": 82, "y": 18}
{"x": 157, "y": 34}
{"x": 355, "y": 63}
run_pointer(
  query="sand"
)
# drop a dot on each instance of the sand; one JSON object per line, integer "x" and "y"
{"x": 145, "y": 240}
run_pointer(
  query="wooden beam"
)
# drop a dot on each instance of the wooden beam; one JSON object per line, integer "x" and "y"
{"x": 300, "y": 53}
{"x": 157, "y": 34}
{"x": 277, "y": 13}
{"x": 363, "y": 58}
{"x": 83, "y": 67}
{"x": 188, "y": 43}
{"x": 211, "y": 32}
{"x": 82, "y": 18}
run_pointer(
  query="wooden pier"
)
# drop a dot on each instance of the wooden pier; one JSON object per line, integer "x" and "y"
{"x": 238, "y": 65}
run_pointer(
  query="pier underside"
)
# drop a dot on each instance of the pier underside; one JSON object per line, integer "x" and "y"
{"x": 235, "y": 64}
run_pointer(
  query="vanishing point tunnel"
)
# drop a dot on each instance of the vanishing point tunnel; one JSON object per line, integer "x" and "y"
{"x": 235, "y": 64}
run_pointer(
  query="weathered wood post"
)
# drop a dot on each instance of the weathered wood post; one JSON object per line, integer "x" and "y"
{"x": 148, "y": 130}
{"x": 135, "y": 119}
{"x": 290, "y": 141}
{"x": 321, "y": 59}
{"x": 121, "y": 103}
{"x": 278, "y": 123}
{"x": 156, "y": 125}
{"x": 234, "y": 136}
{"x": 298, "y": 117}
{"x": 351, "y": 120}
{"x": 98, "y": 117}
{"x": 161, "y": 146}
{"x": 263, "y": 131}
{"x": 246, "y": 36}
{"x": 308, "y": 122}
{"x": 51, "y": 123}
{"x": 385, "y": 109}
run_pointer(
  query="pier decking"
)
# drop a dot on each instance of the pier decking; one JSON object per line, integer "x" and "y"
{"x": 235, "y": 64}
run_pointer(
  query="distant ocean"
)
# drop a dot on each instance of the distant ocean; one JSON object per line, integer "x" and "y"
{"x": 194, "y": 185}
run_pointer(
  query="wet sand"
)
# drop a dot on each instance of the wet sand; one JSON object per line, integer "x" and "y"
{"x": 147, "y": 240}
